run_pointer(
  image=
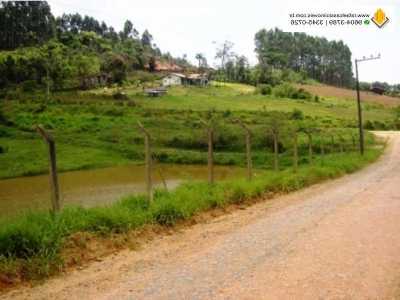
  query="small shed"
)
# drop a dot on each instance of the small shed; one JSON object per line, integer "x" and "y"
{"x": 197, "y": 79}
{"x": 173, "y": 79}
{"x": 378, "y": 88}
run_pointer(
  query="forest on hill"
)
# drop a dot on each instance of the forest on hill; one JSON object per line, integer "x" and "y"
{"x": 39, "y": 50}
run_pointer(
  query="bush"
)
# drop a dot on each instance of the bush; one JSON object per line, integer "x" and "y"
{"x": 369, "y": 125}
{"x": 286, "y": 90}
{"x": 303, "y": 94}
{"x": 30, "y": 86}
{"x": 120, "y": 96}
{"x": 264, "y": 89}
{"x": 297, "y": 114}
{"x": 14, "y": 95}
{"x": 131, "y": 103}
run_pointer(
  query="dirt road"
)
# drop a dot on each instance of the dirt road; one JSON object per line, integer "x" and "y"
{"x": 337, "y": 240}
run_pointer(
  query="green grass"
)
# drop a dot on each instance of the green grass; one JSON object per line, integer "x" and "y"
{"x": 239, "y": 97}
{"x": 29, "y": 157}
{"x": 30, "y": 244}
{"x": 94, "y": 130}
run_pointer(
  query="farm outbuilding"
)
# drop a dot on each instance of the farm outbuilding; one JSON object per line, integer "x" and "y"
{"x": 197, "y": 79}
{"x": 173, "y": 79}
{"x": 378, "y": 88}
{"x": 181, "y": 79}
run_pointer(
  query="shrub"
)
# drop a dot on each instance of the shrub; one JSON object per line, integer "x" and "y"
{"x": 120, "y": 96}
{"x": 14, "y": 95}
{"x": 297, "y": 114}
{"x": 303, "y": 94}
{"x": 30, "y": 86}
{"x": 264, "y": 89}
{"x": 286, "y": 90}
{"x": 167, "y": 213}
{"x": 369, "y": 125}
{"x": 131, "y": 103}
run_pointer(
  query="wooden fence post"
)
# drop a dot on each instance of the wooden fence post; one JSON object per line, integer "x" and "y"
{"x": 322, "y": 146}
{"x": 210, "y": 156}
{"x": 276, "y": 151}
{"x": 341, "y": 146}
{"x": 54, "y": 187}
{"x": 295, "y": 152}
{"x": 310, "y": 148}
{"x": 248, "y": 149}
{"x": 353, "y": 138}
{"x": 148, "y": 161}
{"x": 332, "y": 143}
{"x": 210, "y": 160}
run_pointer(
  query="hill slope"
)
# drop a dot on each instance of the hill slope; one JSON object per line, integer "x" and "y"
{"x": 347, "y": 94}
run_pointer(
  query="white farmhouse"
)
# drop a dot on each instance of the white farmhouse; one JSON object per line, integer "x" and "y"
{"x": 173, "y": 79}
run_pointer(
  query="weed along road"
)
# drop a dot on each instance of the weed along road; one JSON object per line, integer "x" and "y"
{"x": 336, "y": 240}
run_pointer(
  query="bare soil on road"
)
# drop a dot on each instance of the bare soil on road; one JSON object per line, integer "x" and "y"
{"x": 336, "y": 240}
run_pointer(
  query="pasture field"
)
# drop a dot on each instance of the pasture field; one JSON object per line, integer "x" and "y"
{"x": 92, "y": 129}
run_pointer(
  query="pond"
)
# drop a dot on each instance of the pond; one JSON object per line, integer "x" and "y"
{"x": 99, "y": 186}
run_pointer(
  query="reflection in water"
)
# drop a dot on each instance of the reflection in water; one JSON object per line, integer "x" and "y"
{"x": 97, "y": 187}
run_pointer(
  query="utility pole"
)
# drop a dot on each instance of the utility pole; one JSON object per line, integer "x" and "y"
{"x": 360, "y": 124}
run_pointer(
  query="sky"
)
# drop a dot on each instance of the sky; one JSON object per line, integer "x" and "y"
{"x": 189, "y": 27}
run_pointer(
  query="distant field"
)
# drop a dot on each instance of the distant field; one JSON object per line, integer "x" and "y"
{"x": 241, "y": 97}
{"x": 347, "y": 94}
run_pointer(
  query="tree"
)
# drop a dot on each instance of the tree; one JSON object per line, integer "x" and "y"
{"x": 318, "y": 58}
{"x": 200, "y": 58}
{"x": 147, "y": 39}
{"x": 25, "y": 23}
{"x": 86, "y": 66}
{"x": 116, "y": 65}
{"x": 242, "y": 69}
{"x": 128, "y": 28}
{"x": 224, "y": 53}
{"x": 152, "y": 64}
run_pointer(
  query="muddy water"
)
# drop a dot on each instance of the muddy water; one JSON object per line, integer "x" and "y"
{"x": 97, "y": 187}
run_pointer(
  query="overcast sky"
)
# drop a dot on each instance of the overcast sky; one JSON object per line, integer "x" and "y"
{"x": 188, "y": 27}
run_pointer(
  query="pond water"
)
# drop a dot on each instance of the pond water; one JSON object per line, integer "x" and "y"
{"x": 99, "y": 186}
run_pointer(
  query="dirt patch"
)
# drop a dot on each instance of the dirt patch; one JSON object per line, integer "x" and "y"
{"x": 347, "y": 94}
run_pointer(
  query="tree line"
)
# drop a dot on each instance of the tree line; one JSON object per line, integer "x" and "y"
{"x": 36, "y": 47}
{"x": 284, "y": 56}
{"x": 71, "y": 50}
{"x": 326, "y": 61}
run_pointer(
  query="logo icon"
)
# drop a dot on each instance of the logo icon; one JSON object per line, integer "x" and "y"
{"x": 380, "y": 18}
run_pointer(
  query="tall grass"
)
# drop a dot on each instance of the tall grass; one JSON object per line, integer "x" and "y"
{"x": 30, "y": 244}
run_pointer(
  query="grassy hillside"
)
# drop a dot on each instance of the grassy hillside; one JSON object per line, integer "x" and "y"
{"x": 92, "y": 129}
